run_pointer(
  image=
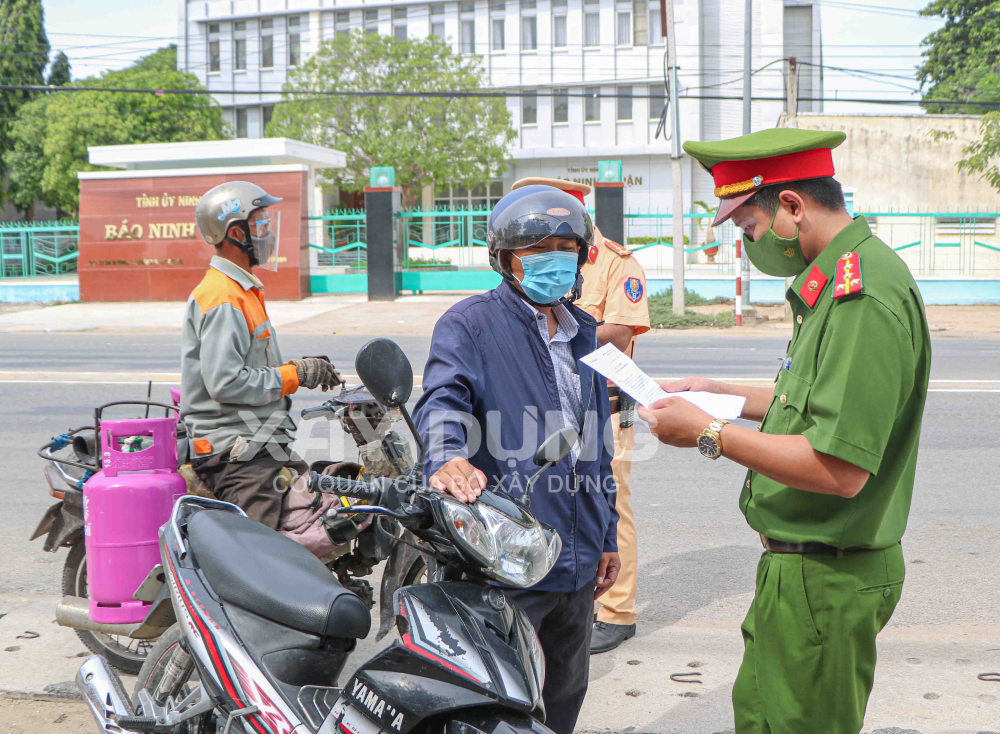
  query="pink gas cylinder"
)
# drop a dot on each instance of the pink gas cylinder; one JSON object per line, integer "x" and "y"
{"x": 124, "y": 506}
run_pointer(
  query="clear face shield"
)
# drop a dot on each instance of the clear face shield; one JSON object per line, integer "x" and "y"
{"x": 265, "y": 229}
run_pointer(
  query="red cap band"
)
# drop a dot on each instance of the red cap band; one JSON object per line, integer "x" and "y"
{"x": 814, "y": 163}
{"x": 575, "y": 194}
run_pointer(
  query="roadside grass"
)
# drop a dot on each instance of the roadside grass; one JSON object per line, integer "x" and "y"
{"x": 661, "y": 312}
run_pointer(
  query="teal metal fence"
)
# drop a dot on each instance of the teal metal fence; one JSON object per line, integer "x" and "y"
{"x": 38, "y": 249}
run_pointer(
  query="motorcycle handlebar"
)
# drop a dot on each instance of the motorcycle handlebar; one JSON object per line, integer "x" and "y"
{"x": 343, "y": 486}
{"x": 310, "y": 413}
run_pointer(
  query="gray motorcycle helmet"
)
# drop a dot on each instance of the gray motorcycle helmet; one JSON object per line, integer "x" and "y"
{"x": 532, "y": 213}
{"x": 227, "y": 204}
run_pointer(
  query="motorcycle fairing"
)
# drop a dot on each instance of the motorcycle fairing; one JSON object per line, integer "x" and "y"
{"x": 231, "y": 676}
{"x": 456, "y": 651}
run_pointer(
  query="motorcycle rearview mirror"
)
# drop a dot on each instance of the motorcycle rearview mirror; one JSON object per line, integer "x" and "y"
{"x": 556, "y": 446}
{"x": 388, "y": 376}
{"x": 553, "y": 450}
{"x": 386, "y": 372}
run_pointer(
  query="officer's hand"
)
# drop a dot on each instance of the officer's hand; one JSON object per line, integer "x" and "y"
{"x": 695, "y": 384}
{"x": 607, "y": 573}
{"x": 460, "y": 479}
{"x": 315, "y": 372}
{"x": 675, "y": 421}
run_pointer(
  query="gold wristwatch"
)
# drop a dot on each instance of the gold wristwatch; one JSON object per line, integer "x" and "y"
{"x": 710, "y": 440}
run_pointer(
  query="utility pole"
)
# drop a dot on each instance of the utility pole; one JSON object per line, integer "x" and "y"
{"x": 676, "y": 175}
{"x": 791, "y": 120}
{"x": 747, "y": 95}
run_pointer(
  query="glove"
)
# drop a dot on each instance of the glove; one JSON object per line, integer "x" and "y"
{"x": 316, "y": 372}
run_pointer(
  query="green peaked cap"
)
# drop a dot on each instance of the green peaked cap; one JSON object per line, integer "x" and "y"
{"x": 762, "y": 144}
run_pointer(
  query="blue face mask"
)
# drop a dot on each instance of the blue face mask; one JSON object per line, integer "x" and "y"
{"x": 548, "y": 276}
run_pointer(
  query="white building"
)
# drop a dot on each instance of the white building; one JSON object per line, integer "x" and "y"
{"x": 562, "y": 50}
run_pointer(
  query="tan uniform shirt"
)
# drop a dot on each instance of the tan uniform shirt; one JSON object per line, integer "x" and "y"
{"x": 614, "y": 287}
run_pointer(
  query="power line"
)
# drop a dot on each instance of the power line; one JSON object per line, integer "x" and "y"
{"x": 459, "y": 94}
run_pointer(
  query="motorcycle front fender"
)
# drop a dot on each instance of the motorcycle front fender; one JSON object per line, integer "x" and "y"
{"x": 493, "y": 720}
{"x": 402, "y": 560}
{"x": 63, "y": 523}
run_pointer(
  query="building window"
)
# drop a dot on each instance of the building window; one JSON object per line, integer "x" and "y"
{"x": 241, "y": 122}
{"x": 560, "y": 105}
{"x": 467, "y": 28}
{"x": 655, "y": 27}
{"x": 240, "y": 45}
{"x": 529, "y": 108}
{"x": 529, "y": 26}
{"x": 657, "y": 100}
{"x": 592, "y": 105}
{"x": 591, "y": 24}
{"x": 266, "y": 43}
{"x": 214, "y": 53}
{"x": 639, "y": 17}
{"x": 371, "y": 20}
{"x": 559, "y": 30}
{"x": 625, "y": 103}
{"x": 623, "y": 23}
{"x": 342, "y": 22}
{"x": 266, "y": 113}
{"x": 399, "y": 24}
{"x": 459, "y": 197}
{"x": 294, "y": 41}
{"x": 497, "y": 36}
{"x": 498, "y": 25}
{"x": 437, "y": 21}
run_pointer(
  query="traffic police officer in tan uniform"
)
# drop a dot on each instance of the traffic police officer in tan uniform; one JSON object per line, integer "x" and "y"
{"x": 831, "y": 464}
{"x": 614, "y": 291}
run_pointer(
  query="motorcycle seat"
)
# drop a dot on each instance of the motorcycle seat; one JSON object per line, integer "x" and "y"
{"x": 251, "y": 566}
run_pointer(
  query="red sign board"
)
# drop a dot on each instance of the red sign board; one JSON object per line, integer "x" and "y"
{"x": 139, "y": 242}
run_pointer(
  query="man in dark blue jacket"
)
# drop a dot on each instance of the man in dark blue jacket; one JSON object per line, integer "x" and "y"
{"x": 503, "y": 373}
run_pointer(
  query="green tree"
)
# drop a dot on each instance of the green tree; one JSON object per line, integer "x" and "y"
{"x": 962, "y": 58}
{"x": 59, "y": 74}
{"x": 962, "y": 62}
{"x": 24, "y": 54}
{"x": 463, "y": 140}
{"x": 52, "y": 132}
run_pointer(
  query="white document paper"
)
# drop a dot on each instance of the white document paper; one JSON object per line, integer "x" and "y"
{"x": 621, "y": 370}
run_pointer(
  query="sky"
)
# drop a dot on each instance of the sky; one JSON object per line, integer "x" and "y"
{"x": 862, "y": 38}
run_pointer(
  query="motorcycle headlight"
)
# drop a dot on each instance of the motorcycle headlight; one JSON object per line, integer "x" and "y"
{"x": 519, "y": 552}
{"x": 468, "y": 530}
{"x": 525, "y": 551}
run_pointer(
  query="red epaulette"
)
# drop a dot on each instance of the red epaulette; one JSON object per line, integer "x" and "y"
{"x": 617, "y": 249}
{"x": 810, "y": 290}
{"x": 847, "y": 279}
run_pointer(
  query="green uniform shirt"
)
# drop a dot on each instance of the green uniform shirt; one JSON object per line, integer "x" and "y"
{"x": 854, "y": 383}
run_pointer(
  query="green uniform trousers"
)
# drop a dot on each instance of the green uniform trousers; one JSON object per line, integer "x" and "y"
{"x": 809, "y": 641}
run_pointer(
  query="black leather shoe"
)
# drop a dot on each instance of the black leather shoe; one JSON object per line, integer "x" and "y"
{"x": 607, "y": 636}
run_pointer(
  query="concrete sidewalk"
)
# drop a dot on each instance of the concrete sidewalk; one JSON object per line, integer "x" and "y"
{"x": 925, "y": 681}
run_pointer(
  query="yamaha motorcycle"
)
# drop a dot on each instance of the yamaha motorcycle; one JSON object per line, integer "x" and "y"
{"x": 264, "y": 631}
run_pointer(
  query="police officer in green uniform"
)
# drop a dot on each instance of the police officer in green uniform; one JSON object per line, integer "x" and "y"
{"x": 831, "y": 463}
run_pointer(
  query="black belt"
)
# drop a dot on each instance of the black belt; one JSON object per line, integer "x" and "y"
{"x": 779, "y": 546}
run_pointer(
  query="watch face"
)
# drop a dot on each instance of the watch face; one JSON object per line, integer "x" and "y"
{"x": 708, "y": 446}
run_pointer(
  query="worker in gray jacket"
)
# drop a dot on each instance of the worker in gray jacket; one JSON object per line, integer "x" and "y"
{"x": 235, "y": 386}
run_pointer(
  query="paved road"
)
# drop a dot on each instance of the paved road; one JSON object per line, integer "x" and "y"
{"x": 697, "y": 555}
{"x": 662, "y": 354}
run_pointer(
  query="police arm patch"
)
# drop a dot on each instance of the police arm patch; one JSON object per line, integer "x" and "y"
{"x": 847, "y": 279}
{"x": 633, "y": 289}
